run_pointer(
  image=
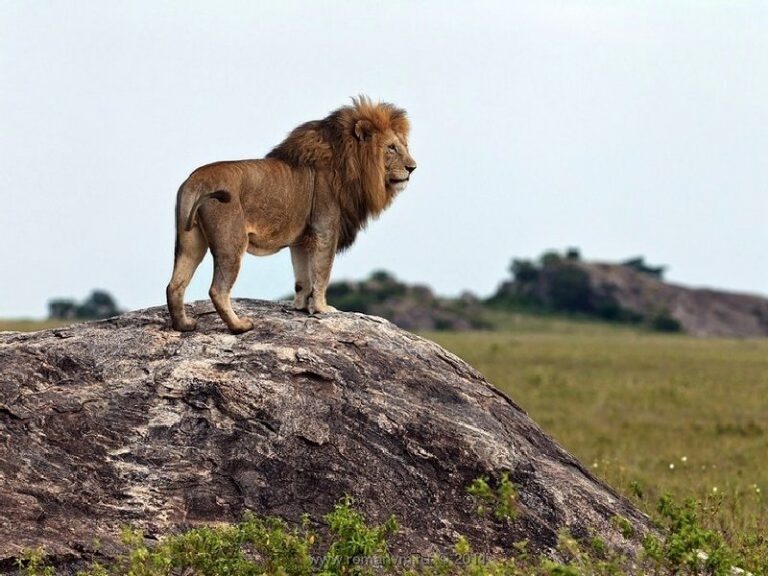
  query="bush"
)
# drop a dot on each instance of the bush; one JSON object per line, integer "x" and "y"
{"x": 99, "y": 304}
{"x": 663, "y": 321}
{"x": 569, "y": 289}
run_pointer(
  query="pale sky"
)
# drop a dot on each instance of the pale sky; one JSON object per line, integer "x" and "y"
{"x": 623, "y": 128}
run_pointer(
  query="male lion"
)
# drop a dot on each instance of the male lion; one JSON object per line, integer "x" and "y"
{"x": 313, "y": 193}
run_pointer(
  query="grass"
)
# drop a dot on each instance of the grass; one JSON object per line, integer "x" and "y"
{"x": 650, "y": 414}
{"x": 268, "y": 546}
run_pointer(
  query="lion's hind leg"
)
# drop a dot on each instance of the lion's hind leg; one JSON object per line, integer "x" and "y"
{"x": 303, "y": 287}
{"x": 228, "y": 253}
{"x": 190, "y": 250}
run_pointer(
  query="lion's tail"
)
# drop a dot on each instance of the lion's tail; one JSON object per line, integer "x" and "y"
{"x": 197, "y": 200}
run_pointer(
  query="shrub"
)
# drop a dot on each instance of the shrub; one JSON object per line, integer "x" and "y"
{"x": 569, "y": 289}
{"x": 663, "y": 321}
{"x": 99, "y": 304}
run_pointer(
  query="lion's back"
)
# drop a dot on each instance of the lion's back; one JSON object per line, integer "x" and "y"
{"x": 238, "y": 176}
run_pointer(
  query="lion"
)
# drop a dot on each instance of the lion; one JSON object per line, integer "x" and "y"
{"x": 312, "y": 194}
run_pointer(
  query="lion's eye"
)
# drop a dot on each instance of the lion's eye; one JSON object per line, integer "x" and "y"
{"x": 392, "y": 148}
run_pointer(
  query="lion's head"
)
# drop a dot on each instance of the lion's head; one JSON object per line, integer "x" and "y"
{"x": 365, "y": 149}
{"x": 381, "y": 131}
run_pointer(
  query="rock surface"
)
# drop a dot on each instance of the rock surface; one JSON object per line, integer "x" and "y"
{"x": 127, "y": 422}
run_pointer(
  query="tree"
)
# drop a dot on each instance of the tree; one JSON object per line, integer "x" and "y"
{"x": 62, "y": 309}
{"x": 573, "y": 253}
{"x": 99, "y": 304}
{"x": 569, "y": 289}
{"x": 524, "y": 271}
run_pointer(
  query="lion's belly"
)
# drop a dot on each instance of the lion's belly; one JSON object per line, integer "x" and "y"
{"x": 265, "y": 238}
{"x": 257, "y": 250}
{"x": 266, "y": 241}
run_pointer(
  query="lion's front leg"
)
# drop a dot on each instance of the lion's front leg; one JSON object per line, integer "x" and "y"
{"x": 301, "y": 272}
{"x": 320, "y": 264}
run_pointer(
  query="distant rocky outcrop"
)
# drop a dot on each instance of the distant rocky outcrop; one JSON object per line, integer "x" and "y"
{"x": 699, "y": 311}
{"x": 631, "y": 292}
{"x": 125, "y": 421}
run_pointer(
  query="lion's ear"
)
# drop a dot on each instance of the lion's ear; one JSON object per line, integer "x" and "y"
{"x": 363, "y": 129}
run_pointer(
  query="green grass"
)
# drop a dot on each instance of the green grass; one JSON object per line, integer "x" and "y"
{"x": 268, "y": 546}
{"x": 22, "y": 325}
{"x": 650, "y": 414}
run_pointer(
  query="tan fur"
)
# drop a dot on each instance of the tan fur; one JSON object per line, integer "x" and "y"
{"x": 313, "y": 193}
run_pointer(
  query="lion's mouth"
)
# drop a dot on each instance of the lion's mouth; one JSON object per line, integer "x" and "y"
{"x": 398, "y": 180}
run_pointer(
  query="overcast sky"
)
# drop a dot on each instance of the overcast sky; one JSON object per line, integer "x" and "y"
{"x": 623, "y": 128}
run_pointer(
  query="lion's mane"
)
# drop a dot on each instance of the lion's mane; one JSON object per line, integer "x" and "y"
{"x": 347, "y": 145}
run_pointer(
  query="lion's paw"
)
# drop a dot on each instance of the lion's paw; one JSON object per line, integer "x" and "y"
{"x": 301, "y": 303}
{"x": 185, "y": 325}
{"x": 320, "y": 309}
{"x": 244, "y": 325}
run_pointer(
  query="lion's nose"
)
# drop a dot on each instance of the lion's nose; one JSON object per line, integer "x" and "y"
{"x": 410, "y": 167}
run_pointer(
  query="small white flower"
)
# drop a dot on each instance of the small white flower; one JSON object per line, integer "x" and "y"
{"x": 684, "y": 459}
{"x": 671, "y": 466}
{"x": 714, "y": 489}
{"x": 594, "y": 464}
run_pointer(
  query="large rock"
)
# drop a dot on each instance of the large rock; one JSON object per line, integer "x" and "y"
{"x": 125, "y": 421}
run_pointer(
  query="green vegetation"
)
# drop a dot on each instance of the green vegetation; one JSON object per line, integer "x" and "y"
{"x": 268, "y": 546}
{"x": 673, "y": 413}
{"x": 252, "y": 547}
{"x": 501, "y": 500}
{"x": 380, "y": 287}
{"x": 63, "y": 311}
{"x": 651, "y": 414}
{"x": 413, "y": 307}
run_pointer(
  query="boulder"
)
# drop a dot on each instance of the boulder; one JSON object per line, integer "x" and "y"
{"x": 126, "y": 422}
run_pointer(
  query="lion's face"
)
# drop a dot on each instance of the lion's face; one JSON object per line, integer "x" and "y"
{"x": 397, "y": 161}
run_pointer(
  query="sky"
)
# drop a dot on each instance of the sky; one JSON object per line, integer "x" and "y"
{"x": 622, "y": 128}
